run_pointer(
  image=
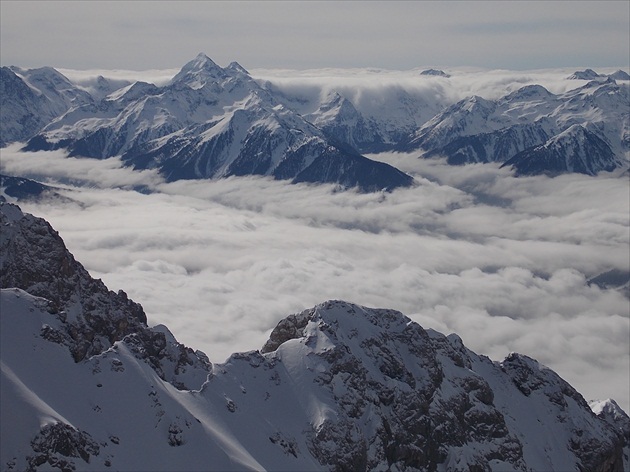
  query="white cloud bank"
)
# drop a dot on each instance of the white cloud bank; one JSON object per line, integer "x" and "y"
{"x": 501, "y": 261}
{"x": 371, "y": 87}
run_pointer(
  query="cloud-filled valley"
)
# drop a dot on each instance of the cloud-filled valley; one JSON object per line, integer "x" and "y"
{"x": 504, "y": 262}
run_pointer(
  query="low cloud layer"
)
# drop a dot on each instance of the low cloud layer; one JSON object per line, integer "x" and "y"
{"x": 370, "y": 88}
{"x": 501, "y": 261}
{"x": 464, "y": 81}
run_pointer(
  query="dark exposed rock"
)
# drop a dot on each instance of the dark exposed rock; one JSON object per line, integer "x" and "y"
{"x": 406, "y": 399}
{"x": 92, "y": 318}
{"x": 434, "y": 73}
{"x": 575, "y": 150}
{"x": 60, "y": 439}
{"x": 27, "y": 189}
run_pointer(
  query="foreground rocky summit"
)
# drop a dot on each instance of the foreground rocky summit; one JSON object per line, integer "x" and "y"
{"x": 87, "y": 385}
{"x": 89, "y": 318}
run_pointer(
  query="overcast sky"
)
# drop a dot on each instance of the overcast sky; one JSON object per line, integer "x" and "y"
{"x": 302, "y": 35}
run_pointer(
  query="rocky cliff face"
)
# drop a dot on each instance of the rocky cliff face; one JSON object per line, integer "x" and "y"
{"x": 92, "y": 318}
{"x": 408, "y": 399}
{"x": 337, "y": 387}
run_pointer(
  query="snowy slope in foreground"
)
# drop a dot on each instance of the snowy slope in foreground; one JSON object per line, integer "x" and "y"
{"x": 356, "y": 389}
{"x": 336, "y": 387}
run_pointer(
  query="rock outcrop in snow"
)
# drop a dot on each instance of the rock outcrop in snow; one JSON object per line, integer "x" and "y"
{"x": 90, "y": 318}
{"x": 397, "y": 397}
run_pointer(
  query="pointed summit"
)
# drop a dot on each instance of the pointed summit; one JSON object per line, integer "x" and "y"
{"x": 619, "y": 75}
{"x": 575, "y": 149}
{"x": 199, "y": 71}
{"x": 236, "y": 67}
{"x": 202, "y": 61}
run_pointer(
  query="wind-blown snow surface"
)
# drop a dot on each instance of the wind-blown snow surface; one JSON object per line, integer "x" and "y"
{"x": 503, "y": 262}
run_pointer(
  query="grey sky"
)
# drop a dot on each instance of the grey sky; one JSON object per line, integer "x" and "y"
{"x": 301, "y": 35}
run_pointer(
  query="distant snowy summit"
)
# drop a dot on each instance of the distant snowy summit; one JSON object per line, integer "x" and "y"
{"x": 87, "y": 385}
{"x": 584, "y": 130}
{"x": 212, "y": 122}
{"x": 435, "y": 73}
{"x": 590, "y": 74}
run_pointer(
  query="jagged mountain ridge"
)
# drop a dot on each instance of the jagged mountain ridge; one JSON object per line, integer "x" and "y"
{"x": 481, "y": 130}
{"x": 575, "y": 149}
{"x": 210, "y": 122}
{"x": 590, "y": 74}
{"x": 90, "y": 318}
{"x": 30, "y": 99}
{"x": 336, "y": 387}
{"x": 374, "y": 120}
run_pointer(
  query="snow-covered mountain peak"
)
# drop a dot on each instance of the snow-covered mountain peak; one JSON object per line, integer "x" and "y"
{"x": 586, "y": 74}
{"x": 608, "y": 407}
{"x": 382, "y": 376}
{"x": 341, "y": 321}
{"x": 133, "y": 91}
{"x": 476, "y": 102}
{"x": 200, "y": 62}
{"x": 620, "y": 75}
{"x": 611, "y": 412}
{"x": 199, "y": 71}
{"x": 235, "y": 66}
{"x": 44, "y": 77}
{"x": 575, "y": 149}
{"x": 435, "y": 73}
{"x": 600, "y": 86}
{"x": 529, "y": 92}
{"x": 334, "y": 107}
{"x": 55, "y": 91}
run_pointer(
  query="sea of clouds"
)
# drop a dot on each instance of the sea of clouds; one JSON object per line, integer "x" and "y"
{"x": 371, "y": 89}
{"x": 504, "y": 262}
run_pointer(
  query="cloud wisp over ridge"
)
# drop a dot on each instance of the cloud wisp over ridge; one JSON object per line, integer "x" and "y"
{"x": 503, "y": 262}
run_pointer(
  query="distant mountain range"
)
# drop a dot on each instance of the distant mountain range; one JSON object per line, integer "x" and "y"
{"x": 212, "y": 122}
{"x": 585, "y": 130}
{"x": 208, "y": 122}
{"x": 88, "y": 385}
